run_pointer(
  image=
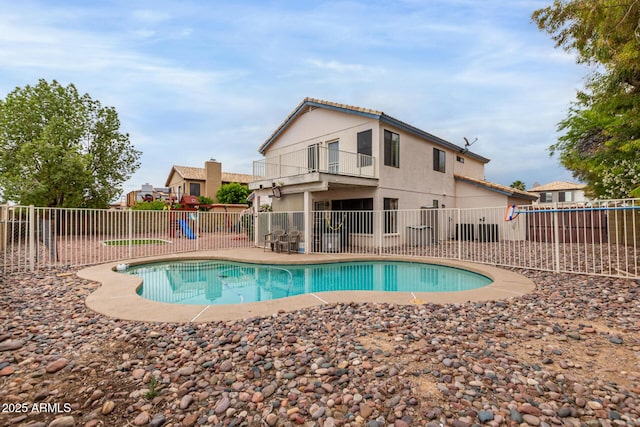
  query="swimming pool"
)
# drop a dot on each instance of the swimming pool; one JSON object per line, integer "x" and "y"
{"x": 228, "y": 282}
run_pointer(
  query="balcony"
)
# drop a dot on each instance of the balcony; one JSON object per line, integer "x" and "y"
{"x": 310, "y": 163}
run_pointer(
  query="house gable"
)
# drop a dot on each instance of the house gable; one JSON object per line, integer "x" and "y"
{"x": 310, "y": 104}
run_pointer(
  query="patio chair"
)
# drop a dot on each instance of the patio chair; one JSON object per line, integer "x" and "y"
{"x": 271, "y": 239}
{"x": 291, "y": 242}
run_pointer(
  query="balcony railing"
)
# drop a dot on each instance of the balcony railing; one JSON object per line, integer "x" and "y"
{"x": 315, "y": 159}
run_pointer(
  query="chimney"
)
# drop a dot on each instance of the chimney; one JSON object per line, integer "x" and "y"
{"x": 213, "y": 177}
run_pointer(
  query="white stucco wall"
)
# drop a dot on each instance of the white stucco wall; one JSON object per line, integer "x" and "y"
{"x": 321, "y": 125}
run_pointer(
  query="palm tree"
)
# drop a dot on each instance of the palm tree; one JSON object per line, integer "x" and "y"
{"x": 519, "y": 185}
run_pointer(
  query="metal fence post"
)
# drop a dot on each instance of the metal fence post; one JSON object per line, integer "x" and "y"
{"x": 196, "y": 228}
{"x": 380, "y": 232}
{"x": 32, "y": 238}
{"x": 556, "y": 237}
{"x": 255, "y": 217}
{"x": 130, "y": 232}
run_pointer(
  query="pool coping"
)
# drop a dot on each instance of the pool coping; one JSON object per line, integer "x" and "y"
{"x": 117, "y": 296}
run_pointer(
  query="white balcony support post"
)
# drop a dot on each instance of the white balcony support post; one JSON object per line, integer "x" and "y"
{"x": 459, "y": 234}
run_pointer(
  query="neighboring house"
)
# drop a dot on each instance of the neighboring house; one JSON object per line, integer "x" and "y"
{"x": 328, "y": 156}
{"x": 560, "y": 192}
{"x": 147, "y": 192}
{"x": 186, "y": 180}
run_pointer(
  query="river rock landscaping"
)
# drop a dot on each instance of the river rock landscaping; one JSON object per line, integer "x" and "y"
{"x": 566, "y": 355}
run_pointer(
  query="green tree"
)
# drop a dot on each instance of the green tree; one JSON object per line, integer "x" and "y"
{"x": 62, "y": 149}
{"x": 232, "y": 193}
{"x": 600, "y": 143}
{"x": 203, "y": 200}
{"x": 518, "y": 185}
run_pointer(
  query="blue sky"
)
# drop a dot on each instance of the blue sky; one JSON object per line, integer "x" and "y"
{"x": 193, "y": 80}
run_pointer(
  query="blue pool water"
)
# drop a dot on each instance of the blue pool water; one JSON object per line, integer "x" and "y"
{"x": 224, "y": 282}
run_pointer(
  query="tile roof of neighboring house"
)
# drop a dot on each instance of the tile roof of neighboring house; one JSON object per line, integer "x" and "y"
{"x": 241, "y": 178}
{"x": 188, "y": 172}
{"x": 311, "y": 103}
{"x": 199, "y": 174}
{"x": 558, "y": 185}
{"x": 503, "y": 189}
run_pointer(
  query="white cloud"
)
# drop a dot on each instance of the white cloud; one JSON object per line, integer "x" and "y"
{"x": 217, "y": 78}
{"x": 336, "y": 66}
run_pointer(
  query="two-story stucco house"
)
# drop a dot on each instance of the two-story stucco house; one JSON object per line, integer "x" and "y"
{"x": 560, "y": 192}
{"x": 328, "y": 156}
{"x": 334, "y": 157}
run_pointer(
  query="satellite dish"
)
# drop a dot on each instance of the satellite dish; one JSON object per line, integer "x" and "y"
{"x": 467, "y": 144}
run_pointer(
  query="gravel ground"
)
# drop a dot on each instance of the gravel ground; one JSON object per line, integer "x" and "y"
{"x": 566, "y": 355}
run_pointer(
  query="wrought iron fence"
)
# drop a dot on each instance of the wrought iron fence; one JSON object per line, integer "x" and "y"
{"x": 599, "y": 238}
{"x": 33, "y": 238}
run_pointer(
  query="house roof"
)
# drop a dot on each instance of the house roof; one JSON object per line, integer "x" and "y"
{"x": 188, "y": 172}
{"x": 241, "y": 178}
{"x": 498, "y": 188}
{"x": 558, "y": 185}
{"x": 309, "y": 104}
{"x": 199, "y": 174}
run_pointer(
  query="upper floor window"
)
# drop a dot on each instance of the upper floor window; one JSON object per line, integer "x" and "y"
{"x": 546, "y": 197}
{"x": 438, "y": 160}
{"x": 391, "y": 149}
{"x": 194, "y": 189}
{"x": 565, "y": 196}
{"x": 364, "y": 148}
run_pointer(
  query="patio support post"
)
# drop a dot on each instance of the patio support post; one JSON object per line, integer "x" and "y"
{"x": 32, "y": 238}
{"x": 307, "y": 222}
{"x": 459, "y": 235}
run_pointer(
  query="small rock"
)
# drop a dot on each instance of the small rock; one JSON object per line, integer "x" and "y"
{"x": 6, "y": 371}
{"x": 157, "y": 421}
{"x": 485, "y": 416}
{"x": 186, "y": 401}
{"x": 532, "y": 420}
{"x": 66, "y": 421}
{"x": 222, "y": 405}
{"x": 365, "y": 410}
{"x": 107, "y": 407}
{"x": 190, "y": 420}
{"x": 226, "y": 366}
{"x": 11, "y": 345}
{"x": 56, "y": 365}
{"x": 272, "y": 419}
{"x": 141, "y": 419}
{"x": 186, "y": 371}
{"x": 138, "y": 374}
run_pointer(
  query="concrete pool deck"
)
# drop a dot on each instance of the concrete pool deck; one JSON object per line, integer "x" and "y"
{"x": 117, "y": 296}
